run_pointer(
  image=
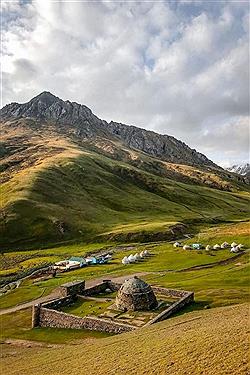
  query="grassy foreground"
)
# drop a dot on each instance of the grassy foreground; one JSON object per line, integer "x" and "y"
{"x": 213, "y": 342}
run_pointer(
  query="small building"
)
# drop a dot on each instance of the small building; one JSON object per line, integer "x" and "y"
{"x": 216, "y": 247}
{"x": 125, "y": 260}
{"x": 235, "y": 249}
{"x": 196, "y": 246}
{"x": 61, "y": 266}
{"x": 91, "y": 260}
{"x": 80, "y": 260}
{"x": 177, "y": 244}
{"x": 186, "y": 247}
{"x": 233, "y": 244}
{"x": 225, "y": 245}
{"x": 131, "y": 258}
{"x": 135, "y": 295}
{"x": 208, "y": 247}
{"x": 72, "y": 265}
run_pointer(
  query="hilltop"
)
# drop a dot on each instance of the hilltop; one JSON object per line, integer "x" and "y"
{"x": 67, "y": 175}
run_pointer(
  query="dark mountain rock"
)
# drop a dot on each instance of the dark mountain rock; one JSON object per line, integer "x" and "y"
{"x": 84, "y": 124}
{"x": 242, "y": 169}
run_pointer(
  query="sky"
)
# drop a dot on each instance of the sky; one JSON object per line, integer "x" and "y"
{"x": 176, "y": 67}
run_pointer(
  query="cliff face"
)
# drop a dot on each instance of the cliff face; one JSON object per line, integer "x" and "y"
{"x": 80, "y": 120}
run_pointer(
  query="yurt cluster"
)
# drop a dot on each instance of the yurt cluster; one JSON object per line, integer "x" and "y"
{"x": 234, "y": 247}
{"x": 135, "y": 258}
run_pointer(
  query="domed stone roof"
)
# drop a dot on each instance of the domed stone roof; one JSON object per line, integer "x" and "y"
{"x": 135, "y": 285}
{"x": 135, "y": 294}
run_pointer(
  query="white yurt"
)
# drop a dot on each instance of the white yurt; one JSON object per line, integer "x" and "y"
{"x": 137, "y": 256}
{"x": 233, "y": 244}
{"x": 224, "y": 245}
{"x": 240, "y": 246}
{"x": 131, "y": 258}
{"x": 125, "y": 260}
{"x": 208, "y": 247}
{"x": 177, "y": 244}
{"x": 234, "y": 249}
{"x": 216, "y": 247}
{"x": 145, "y": 252}
{"x": 186, "y": 247}
{"x": 142, "y": 254}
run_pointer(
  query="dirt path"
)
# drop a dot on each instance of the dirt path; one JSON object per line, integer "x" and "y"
{"x": 55, "y": 293}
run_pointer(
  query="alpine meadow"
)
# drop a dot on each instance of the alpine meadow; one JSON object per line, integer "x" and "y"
{"x": 124, "y": 248}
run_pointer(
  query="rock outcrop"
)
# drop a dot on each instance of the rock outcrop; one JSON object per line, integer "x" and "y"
{"x": 79, "y": 119}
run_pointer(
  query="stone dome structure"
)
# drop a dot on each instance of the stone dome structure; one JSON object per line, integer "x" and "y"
{"x": 135, "y": 295}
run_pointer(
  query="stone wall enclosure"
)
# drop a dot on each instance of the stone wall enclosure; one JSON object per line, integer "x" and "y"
{"x": 48, "y": 314}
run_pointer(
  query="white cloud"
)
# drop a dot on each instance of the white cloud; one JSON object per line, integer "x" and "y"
{"x": 180, "y": 69}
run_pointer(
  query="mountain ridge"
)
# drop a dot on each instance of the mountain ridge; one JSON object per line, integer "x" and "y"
{"x": 242, "y": 169}
{"x": 48, "y": 107}
{"x": 71, "y": 180}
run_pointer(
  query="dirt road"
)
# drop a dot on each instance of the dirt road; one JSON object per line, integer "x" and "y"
{"x": 55, "y": 293}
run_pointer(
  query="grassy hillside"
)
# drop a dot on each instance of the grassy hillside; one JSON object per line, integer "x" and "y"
{"x": 213, "y": 342}
{"x": 88, "y": 195}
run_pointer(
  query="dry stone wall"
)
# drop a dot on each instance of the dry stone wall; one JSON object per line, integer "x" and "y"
{"x": 97, "y": 289}
{"x": 101, "y": 288}
{"x": 170, "y": 292}
{"x": 56, "y": 304}
{"x": 47, "y": 314}
{"x": 177, "y": 306}
{"x": 59, "y": 319}
{"x": 72, "y": 288}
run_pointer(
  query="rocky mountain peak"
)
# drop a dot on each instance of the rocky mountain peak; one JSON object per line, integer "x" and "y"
{"x": 79, "y": 120}
{"x": 242, "y": 169}
{"x": 45, "y": 97}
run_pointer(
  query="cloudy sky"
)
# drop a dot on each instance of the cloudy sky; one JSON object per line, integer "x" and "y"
{"x": 175, "y": 67}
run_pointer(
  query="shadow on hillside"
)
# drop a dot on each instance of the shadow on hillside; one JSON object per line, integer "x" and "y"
{"x": 201, "y": 305}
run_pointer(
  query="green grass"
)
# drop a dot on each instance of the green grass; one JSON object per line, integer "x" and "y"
{"x": 18, "y": 326}
{"x": 84, "y": 307}
{"x": 164, "y": 258}
{"x": 92, "y": 195}
{"x": 15, "y": 263}
{"x": 218, "y": 286}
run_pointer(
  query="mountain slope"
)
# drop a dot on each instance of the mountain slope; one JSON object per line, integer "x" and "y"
{"x": 64, "y": 180}
{"x": 213, "y": 342}
{"x": 242, "y": 169}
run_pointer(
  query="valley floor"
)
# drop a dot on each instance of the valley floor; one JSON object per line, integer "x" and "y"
{"x": 208, "y": 337}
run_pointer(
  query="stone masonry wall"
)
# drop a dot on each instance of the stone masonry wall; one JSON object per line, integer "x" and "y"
{"x": 58, "y": 319}
{"x": 99, "y": 288}
{"x": 72, "y": 288}
{"x": 178, "y": 305}
{"x": 56, "y": 304}
{"x": 169, "y": 292}
{"x": 112, "y": 285}
{"x": 47, "y": 314}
